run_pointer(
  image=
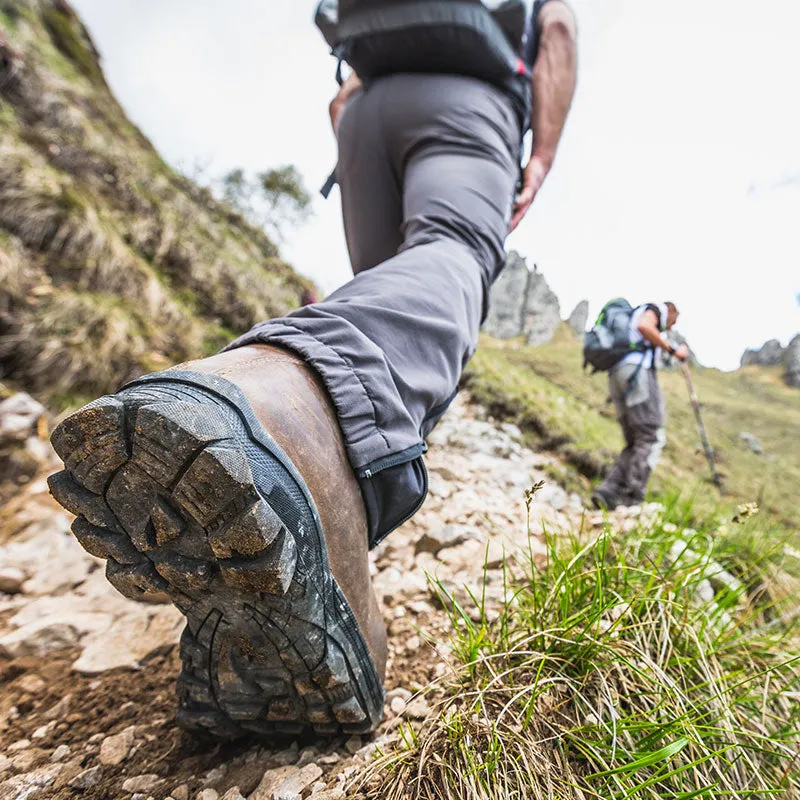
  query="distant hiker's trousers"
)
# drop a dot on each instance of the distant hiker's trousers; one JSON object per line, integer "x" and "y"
{"x": 428, "y": 165}
{"x": 642, "y": 415}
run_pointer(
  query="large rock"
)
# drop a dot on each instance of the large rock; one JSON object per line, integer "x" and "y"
{"x": 110, "y": 630}
{"x": 115, "y": 749}
{"x": 791, "y": 360}
{"x": 770, "y": 355}
{"x": 19, "y": 418}
{"x": 24, "y": 449}
{"x": 142, "y": 783}
{"x": 542, "y": 314}
{"x": 522, "y": 304}
{"x": 286, "y": 783}
{"x": 38, "y": 638}
{"x": 579, "y": 318}
{"x": 508, "y": 299}
{"x": 751, "y": 442}
{"x": 35, "y": 784}
{"x": 131, "y": 638}
{"x": 44, "y": 544}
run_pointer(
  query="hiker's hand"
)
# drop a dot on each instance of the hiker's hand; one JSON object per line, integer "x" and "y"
{"x": 338, "y": 104}
{"x": 336, "y": 110}
{"x": 682, "y": 352}
{"x": 533, "y": 178}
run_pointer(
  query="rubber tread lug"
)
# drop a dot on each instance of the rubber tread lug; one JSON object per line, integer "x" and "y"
{"x": 184, "y": 573}
{"x": 82, "y": 502}
{"x": 92, "y": 444}
{"x": 271, "y": 573}
{"x": 167, "y": 523}
{"x": 135, "y": 581}
{"x": 131, "y": 496}
{"x": 248, "y": 535}
{"x": 102, "y": 543}
{"x": 166, "y": 435}
{"x": 349, "y": 712}
{"x": 217, "y": 487}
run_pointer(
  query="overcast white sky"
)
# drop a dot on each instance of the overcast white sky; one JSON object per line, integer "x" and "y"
{"x": 678, "y": 176}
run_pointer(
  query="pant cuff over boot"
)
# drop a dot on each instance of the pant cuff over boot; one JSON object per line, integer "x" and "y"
{"x": 386, "y": 455}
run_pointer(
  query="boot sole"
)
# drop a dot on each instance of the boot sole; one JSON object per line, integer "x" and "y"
{"x": 174, "y": 481}
{"x": 601, "y": 504}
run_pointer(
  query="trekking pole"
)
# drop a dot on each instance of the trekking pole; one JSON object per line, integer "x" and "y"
{"x": 703, "y": 435}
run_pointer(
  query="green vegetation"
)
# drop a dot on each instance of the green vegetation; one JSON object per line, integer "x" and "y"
{"x": 272, "y": 199}
{"x": 111, "y": 263}
{"x": 661, "y": 664}
{"x": 562, "y": 408}
{"x": 71, "y": 40}
{"x": 7, "y": 117}
{"x": 8, "y": 14}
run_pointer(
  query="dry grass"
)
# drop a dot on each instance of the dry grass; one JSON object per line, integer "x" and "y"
{"x": 158, "y": 271}
{"x": 617, "y": 672}
{"x": 76, "y": 341}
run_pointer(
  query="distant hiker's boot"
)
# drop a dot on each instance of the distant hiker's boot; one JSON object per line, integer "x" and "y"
{"x": 225, "y": 484}
{"x": 603, "y": 501}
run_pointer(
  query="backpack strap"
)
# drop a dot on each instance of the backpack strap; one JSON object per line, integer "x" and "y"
{"x": 531, "y": 49}
{"x": 327, "y": 187}
{"x": 339, "y": 52}
{"x": 633, "y": 378}
{"x": 657, "y": 311}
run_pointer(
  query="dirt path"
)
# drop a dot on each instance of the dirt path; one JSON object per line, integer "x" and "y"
{"x": 86, "y": 676}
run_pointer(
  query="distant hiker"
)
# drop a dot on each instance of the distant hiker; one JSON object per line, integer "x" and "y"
{"x": 249, "y": 486}
{"x": 633, "y": 382}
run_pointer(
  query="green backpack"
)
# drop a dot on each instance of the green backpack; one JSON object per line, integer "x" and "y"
{"x": 608, "y": 342}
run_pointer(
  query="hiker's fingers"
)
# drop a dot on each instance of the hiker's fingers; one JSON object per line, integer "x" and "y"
{"x": 533, "y": 177}
{"x": 515, "y": 221}
{"x": 336, "y": 110}
{"x": 521, "y": 207}
{"x": 535, "y": 173}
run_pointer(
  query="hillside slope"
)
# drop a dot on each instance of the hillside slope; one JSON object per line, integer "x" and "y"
{"x": 111, "y": 264}
{"x": 563, "y": 409}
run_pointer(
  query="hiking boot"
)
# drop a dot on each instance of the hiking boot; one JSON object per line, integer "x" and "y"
{"x": 603, "y": 501}
{"x": 225, "y": 484}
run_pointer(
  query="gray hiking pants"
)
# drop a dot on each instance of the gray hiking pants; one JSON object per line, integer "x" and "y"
{"x": 642, "y": 414}
{"x": 427, "y": 167}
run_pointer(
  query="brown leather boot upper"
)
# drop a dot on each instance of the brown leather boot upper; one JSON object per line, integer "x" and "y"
{"x": 293, "y": 406}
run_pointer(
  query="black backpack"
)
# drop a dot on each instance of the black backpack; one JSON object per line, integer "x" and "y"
{"x": 608, "y": 342}
{"x": 462, "y": 37}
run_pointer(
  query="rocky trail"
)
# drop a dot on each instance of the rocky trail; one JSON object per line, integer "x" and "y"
{"x": 87, "y": 677}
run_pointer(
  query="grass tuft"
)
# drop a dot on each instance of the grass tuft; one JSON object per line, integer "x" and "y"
{"x": 70, "y": 38}
{"x": 664, "y": 664}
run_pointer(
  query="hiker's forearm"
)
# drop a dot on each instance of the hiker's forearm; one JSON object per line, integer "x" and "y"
{"x": 554, "y": 78}
{"x": 347, "y": 90}
{"x": 653, "y": 336}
